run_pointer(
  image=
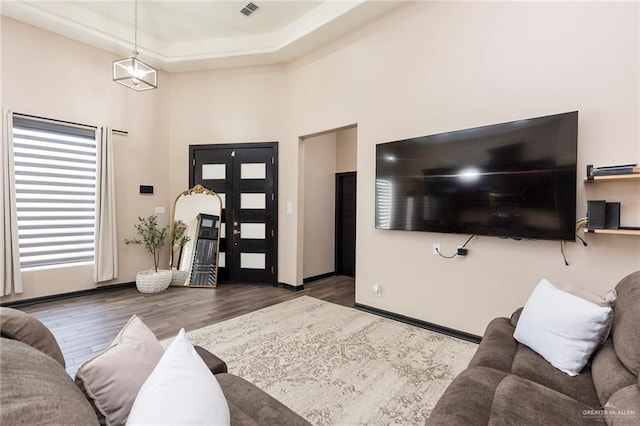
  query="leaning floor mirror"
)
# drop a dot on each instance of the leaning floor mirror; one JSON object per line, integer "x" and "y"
{"x": 195, "y": 238}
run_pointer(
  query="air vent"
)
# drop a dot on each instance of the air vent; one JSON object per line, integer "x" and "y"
{"x": 249, "y": 9}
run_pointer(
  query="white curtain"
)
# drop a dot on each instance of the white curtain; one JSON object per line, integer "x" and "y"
{"x": 106, "y": 246}
{"x": 10, "y": 263}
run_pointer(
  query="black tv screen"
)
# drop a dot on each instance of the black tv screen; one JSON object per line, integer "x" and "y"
{"x": 514, "y": 180}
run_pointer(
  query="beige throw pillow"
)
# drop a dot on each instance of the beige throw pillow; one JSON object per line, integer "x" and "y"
{"x": 114, "y": 377}
{"x": 608, "y": 301}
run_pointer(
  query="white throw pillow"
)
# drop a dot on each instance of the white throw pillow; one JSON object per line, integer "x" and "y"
{"x": 562, "y": 328}
{"x": 180, "y": 391}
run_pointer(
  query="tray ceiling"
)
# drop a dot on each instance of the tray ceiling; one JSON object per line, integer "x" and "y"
{"x": 196, "y": 35}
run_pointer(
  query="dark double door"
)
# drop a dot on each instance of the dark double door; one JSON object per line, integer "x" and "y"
{"x": 245, "y": 176}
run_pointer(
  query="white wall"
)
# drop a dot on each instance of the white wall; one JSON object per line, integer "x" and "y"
{"x": 319, "y": 205}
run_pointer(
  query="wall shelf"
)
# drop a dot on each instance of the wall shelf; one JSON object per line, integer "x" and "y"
{"x": 614, "y": 178}
{"x": 635, "y": 176}
{"x": 613, "y": 231}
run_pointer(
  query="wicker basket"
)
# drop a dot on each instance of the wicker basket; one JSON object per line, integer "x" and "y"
{"x": 153, "y": 282}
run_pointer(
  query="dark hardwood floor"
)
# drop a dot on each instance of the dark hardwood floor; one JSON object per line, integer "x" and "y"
{"x": 84, "y": 326}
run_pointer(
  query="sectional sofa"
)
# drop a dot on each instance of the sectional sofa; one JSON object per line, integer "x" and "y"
{"x": 35, "y": 388}
{"x": 507, "y": 383}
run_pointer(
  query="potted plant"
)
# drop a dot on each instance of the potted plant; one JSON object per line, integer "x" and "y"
{"x": 179, "y": 238}
{"x": 153, "y": 238}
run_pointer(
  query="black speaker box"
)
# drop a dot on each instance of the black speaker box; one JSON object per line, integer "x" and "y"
{"x": 596, "y": 214}
{"x": 612, "y": 215}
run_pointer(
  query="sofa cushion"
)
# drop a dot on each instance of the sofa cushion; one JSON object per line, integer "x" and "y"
{"x": 624, "y": 406}
{"x": 214, "y": 364}
{"x": 609, "y": 373}
{"x": 180, "y": 391}
{"x": 521, "y": 402}
{"x": 36, "y": 390}
{"x": 248, "y": 405}
{"x": 113, "y": 378}
{"x": 530, "y": 366}
{"x": 562, "y": 328}
{"x": 626, "y": 317}
{"x": 497, "y": 347}
{"x": 515, "y": 317}
{"x": 18, "y": 325}
{"x": 468, "y": 399}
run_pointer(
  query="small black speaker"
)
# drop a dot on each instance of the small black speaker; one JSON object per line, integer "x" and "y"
{"x": 596, "y": 214}
{"x": 612, "y": 216}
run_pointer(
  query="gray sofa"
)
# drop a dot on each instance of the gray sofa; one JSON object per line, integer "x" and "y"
{"x": 35, "y": 388}
{"x": 506, "y": 383}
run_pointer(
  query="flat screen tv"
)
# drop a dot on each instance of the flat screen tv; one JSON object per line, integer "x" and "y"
{"x": 514, "y": 180}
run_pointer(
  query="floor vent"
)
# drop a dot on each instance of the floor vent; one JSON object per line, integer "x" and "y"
{"x": 249, "y": 9}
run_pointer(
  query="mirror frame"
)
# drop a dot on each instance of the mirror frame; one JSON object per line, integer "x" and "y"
{"x": 198, "y": 189}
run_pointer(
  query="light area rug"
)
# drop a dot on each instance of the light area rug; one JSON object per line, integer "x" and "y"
{"x": 337, "y": 365}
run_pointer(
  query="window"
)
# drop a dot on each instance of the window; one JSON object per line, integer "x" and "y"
{"x": 55, "y": 172}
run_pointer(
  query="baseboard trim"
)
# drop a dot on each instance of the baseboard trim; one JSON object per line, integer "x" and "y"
{"x": 63, "y": 296}
{"x": 290, "y": 287}
{"x": 318, "y": 277}
{"x": 419, "y": 323}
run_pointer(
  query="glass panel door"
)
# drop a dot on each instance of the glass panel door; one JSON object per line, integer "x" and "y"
{"x": 245, "y": 176}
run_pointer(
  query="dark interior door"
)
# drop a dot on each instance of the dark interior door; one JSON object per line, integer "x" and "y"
{"x": 245, "y": 176}
{"x": 346, "y": 224}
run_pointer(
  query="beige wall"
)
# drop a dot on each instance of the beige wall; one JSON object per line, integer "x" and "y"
{"x": 51, "y": 76}
{"x": 347, "y": 150}
{"x": 319, "y": 205}
{"x": 433, "y": 67}
{"x": 426, "y": 67}
{"x": 236, "y": 106}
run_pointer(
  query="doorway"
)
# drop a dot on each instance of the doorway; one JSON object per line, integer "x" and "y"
{"x": 245, "y": 176}
{"x": 328, "y": 162}
{"x": 346, "y": 224}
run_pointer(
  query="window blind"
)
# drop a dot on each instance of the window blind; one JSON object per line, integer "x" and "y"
{"x": 55, "y": 176}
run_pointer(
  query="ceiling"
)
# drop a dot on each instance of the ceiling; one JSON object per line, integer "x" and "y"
{"x": 196, "y": 35}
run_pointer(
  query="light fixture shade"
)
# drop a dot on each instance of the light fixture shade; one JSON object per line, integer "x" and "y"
{"x": 135, "y": 74}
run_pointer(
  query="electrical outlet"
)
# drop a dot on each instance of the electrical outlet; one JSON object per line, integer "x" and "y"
{"x": 436, "y": 249}
{"x": 377, "y": 289}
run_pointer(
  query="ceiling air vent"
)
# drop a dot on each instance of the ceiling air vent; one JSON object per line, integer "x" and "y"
{"x": 249, "y": 9}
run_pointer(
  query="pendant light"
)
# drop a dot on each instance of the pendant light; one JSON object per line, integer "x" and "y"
{"x": 132, "y": 72}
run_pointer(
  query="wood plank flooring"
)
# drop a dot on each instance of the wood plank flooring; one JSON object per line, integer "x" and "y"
{"x": 84, "y": 326}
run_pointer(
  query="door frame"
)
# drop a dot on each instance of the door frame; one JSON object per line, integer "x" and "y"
{"x": 245, "y": 145}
